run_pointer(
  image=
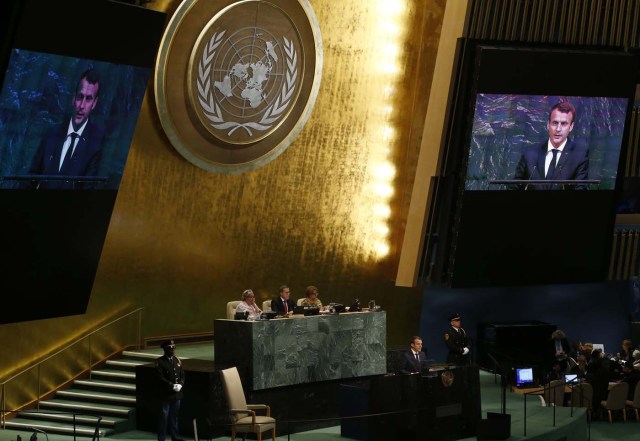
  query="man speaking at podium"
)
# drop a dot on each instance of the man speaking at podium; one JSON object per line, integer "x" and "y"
{"x": 557, "y": 159}
{"x": 413, "y": 358}
{"x": 74, "y": 147}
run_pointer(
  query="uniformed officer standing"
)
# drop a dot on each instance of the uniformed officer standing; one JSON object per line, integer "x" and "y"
{"x": 171, "y": 380}
{"x": 457, "y": 342}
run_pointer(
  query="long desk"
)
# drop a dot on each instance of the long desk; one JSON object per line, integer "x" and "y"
{"x": 297, "y": 350}
{"x": 538, "y": 390}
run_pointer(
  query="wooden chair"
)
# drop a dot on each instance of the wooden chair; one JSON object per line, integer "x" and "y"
{"x": 635, "y": 403}
{"x": 553, "y": 393}
{"x": 231, "y": 308}
{"x": 243, "y": 415}
{"x": 616, "y": 400}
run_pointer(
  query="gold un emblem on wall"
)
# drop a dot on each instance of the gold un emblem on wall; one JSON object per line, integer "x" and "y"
{"x": 236, "y": 81}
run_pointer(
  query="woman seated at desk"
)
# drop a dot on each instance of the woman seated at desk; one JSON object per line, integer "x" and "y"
{"x": 248, "y": 305}
{"x": 311, "y": 297}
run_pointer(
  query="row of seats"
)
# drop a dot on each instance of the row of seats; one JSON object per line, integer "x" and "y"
{"x": 266, "y": 306}
{"x": 582, "y": 396}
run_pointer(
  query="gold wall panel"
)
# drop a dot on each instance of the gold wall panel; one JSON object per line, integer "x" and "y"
{"x": 329, "y": 211}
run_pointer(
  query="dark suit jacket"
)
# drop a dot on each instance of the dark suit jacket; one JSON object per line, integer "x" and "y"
{"x": 84, "y": 162}
{"x": 278, "y": 306}
{"x": 573, "y": 164}
{"x": 408, "y": 363}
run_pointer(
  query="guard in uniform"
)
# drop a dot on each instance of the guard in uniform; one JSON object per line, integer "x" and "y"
{"x": 457, "y": 342}
{"x": 170, "y": 380}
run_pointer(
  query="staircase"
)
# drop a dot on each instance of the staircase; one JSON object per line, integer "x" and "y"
{"x": 107, "y": 395}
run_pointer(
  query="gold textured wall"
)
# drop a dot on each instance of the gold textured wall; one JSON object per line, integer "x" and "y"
{"x": 182, "y": 241}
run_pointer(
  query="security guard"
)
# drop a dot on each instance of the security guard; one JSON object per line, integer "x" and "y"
{"x": 171, "y": 379}
{"x": 457, "y": 342}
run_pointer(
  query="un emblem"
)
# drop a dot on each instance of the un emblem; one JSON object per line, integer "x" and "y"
{"x": 236, "y": 81}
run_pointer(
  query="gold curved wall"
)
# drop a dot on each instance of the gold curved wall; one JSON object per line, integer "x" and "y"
{"x": 330, "y": 211}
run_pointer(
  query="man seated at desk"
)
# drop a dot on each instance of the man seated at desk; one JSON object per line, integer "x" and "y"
{"x": 283, "y": 305}
{"x": 631, "y": 376}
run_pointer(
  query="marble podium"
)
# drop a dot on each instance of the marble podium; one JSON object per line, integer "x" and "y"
{"x": 297, "y": 350}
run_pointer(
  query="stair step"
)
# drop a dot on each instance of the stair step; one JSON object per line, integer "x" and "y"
{"x": 119, "y": 374}
{"x": 79, "y": 419}
{"x": 86, "y": 407}
{"x": 125, "y": 363}
{"x": 150, "y": 356}
{"x": 104, "y": 397}
{"x": 52, "y": 427}
{"x": 103, "y": 384}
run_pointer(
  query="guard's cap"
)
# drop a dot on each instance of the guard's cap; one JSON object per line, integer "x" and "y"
{"x": 167, "y": 343}
{"x": 454, "y": 317}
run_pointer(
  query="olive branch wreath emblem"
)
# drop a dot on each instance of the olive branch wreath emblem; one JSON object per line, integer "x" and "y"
{"x": 211, "y": 108}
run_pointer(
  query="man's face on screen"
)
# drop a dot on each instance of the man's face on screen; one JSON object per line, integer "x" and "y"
{"x": 559, "y": 126}
{"x": 84, "y": 101}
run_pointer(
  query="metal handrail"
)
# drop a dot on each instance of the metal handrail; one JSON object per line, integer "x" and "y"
{"x": 39, "y": 364}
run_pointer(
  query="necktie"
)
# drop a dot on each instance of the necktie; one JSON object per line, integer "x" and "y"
{"x": 67, "y": 156}
{"x": 552, "y": 165}
{"x": 417, "y": 358}
{"x": 286, "y": 306}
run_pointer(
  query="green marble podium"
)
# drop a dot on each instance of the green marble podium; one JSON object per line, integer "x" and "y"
{"x": 297, "y": 350}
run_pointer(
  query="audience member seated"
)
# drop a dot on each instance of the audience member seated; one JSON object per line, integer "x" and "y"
{"x": 620, "y": 359}
{"x": 585, "y": 349}
{"x": 631, "y": 376}
{"x": 598, "y": 377}
{"x": 581, "y": 367}
{"x": 636, "y": 358}
{"x": 248, "y": 305}
{"x": 626, "y": 355}
{"x": 311, "y": 298}
{"x": 556, "y": 373}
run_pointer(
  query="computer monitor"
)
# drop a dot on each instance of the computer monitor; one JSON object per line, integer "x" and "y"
{"x": 524, "y": 376}
{"x": 570, "y": 378}
{"x": 306, "y": 310}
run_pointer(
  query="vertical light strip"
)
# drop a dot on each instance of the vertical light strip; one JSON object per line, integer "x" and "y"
{"x": 390, "y": 19}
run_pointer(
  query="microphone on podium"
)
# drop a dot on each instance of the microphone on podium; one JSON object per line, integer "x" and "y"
{"x": 531, "y": 175}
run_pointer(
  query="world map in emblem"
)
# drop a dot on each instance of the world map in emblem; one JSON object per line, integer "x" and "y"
{"x": 252, "y": 75}
{"x": 237, "y": 80}
{"x": 246, "y": 82}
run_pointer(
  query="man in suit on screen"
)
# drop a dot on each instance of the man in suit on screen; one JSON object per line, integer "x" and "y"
{"x": 557, "y": 159}
{"x": 74, "y": 147}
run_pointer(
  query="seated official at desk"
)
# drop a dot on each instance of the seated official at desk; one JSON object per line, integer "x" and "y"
{"x": 412, "y": 359}
{"x": 311, "y": 297}
{"x": 631, "y": 376}
{"x": 248, "y": 305}
{"x": 283, "y": 305}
